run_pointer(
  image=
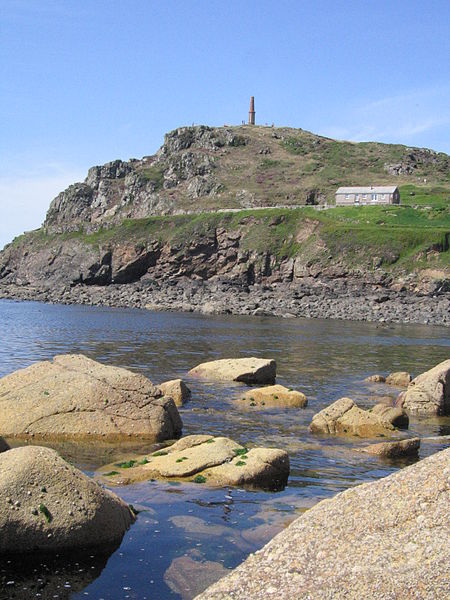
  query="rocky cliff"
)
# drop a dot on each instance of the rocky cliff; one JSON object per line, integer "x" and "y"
{"x": 155, "y": 222}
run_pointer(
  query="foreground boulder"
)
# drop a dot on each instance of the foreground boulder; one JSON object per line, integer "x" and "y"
{"x": 395, "y": 449}
{"x": 46, "y": 504}
{"x": 429, "y": 393}
{"x": 177, "y": 390}
{"x": 74, "y": 397}
{"x": 343, "y": 417}
{"x": 272, "y": 396}
{"x": 247, "y": 370}
{"x": 205, "y": 459}
{"x": 387, "y": 539}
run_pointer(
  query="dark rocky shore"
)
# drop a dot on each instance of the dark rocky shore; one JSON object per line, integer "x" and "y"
{"x": 345, "y": 299}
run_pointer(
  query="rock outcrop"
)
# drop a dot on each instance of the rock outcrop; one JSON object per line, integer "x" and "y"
{"x": 74, "y": 397}
{"x": 343, "y": 417}
{"x": 246, "y": 370}
{"x": 46, "y": 504}
{"x": 272, "y": 396}
{"x": 394, "y": 449}
{"x": 205, "y": 459}
{"x": 383, "y": 540}
{"x": 429, "y": 393}
{"x": 177, "y": 390}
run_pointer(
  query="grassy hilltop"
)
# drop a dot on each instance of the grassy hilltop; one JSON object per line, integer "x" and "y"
{"x": 279, "y": 171}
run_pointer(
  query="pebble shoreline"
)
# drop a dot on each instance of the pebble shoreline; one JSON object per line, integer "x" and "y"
{"x": 333, "y": 300}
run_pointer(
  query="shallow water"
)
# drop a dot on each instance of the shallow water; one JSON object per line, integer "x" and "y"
{"x": 199, "y": 531}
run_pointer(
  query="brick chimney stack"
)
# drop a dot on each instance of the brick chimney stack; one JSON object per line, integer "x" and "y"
{"x": 251, "y": 112}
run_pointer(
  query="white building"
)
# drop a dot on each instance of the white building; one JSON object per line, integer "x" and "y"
{"x": 360, "y": 196}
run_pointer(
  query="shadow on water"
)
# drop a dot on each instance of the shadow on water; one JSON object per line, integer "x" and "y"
{"x": 41, "y": 575}
{"x": 188, "y": 529}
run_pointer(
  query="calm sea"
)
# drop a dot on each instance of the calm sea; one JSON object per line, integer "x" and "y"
{"x": 186, "y": 535}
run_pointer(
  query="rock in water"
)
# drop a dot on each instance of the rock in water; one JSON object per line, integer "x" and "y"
{"x": 247, "y": 370}
{"x": 343, "y": 417}
{"x": 381, "y": 540}
{"x": 176, "y": 389}
{"x": 399, "y": 379}
{"x": 74, "y": 397}
{"x": 49, "y": 505}
{"x": 272, "y": 396}
{"x": 394, "y": 449}
{"x": 205, "y": 459}
{"x": 429, "y": 393}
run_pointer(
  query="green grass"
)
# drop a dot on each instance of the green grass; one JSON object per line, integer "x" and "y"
{"x": 199, "y": 479}
{"x": 126, "y": 465}
{"x": 155, "y": 174}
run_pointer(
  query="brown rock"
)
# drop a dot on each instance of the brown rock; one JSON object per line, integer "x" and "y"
{"x": 381, "y": 540}
{"x": 247, "y": 370}
{"x": 46, "y": 504}
{"x": 74, "y": 397}
{"x": 394, "y": 449}
{"x": 391, "y": 416}
{"x": 344, "y": 417}
{"x": 429, "y": 393}
{"x": 271, "y": 396}
{"x": 204, "y": 459}
{"x": 399, "y": 379}
{"x": 176, "y": 389}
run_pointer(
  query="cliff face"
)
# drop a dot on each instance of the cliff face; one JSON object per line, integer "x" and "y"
{"x": 157, "y": 220}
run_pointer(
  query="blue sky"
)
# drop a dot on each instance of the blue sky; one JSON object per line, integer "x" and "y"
{"x": 84, "y": 82}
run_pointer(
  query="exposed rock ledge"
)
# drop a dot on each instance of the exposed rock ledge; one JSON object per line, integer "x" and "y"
{"x": 382, "y": 540}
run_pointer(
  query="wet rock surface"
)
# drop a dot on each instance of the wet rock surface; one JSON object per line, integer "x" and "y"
{"x": 74, "y": 397}
{"x": 387, "y": 539}
{"x": 205, "y": 459}
{"x": 49, "y": 505}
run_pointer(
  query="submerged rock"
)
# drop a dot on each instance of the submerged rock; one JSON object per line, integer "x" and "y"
{"x": 387, "y": 539}
{"x": 394, "y": 449}
{"x": 247, "y": 370}
{"x": 188, "y": 577}
{"x": 205, "y": 459}
{"x": 429, "y": 393}
{"x": 343, "y": 417}
{"x": 375, "y": 379}
{"x": 46, "y": 504}
{"x": 74, "y": 397}
{"x": 176, "y": 389}
{"x": 273, "y": 396}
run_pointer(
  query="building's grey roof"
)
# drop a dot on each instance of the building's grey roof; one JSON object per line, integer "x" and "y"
{"x": 389, "y": 189}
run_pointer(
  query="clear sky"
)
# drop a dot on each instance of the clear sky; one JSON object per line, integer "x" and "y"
{"x": 87, "y": 81}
